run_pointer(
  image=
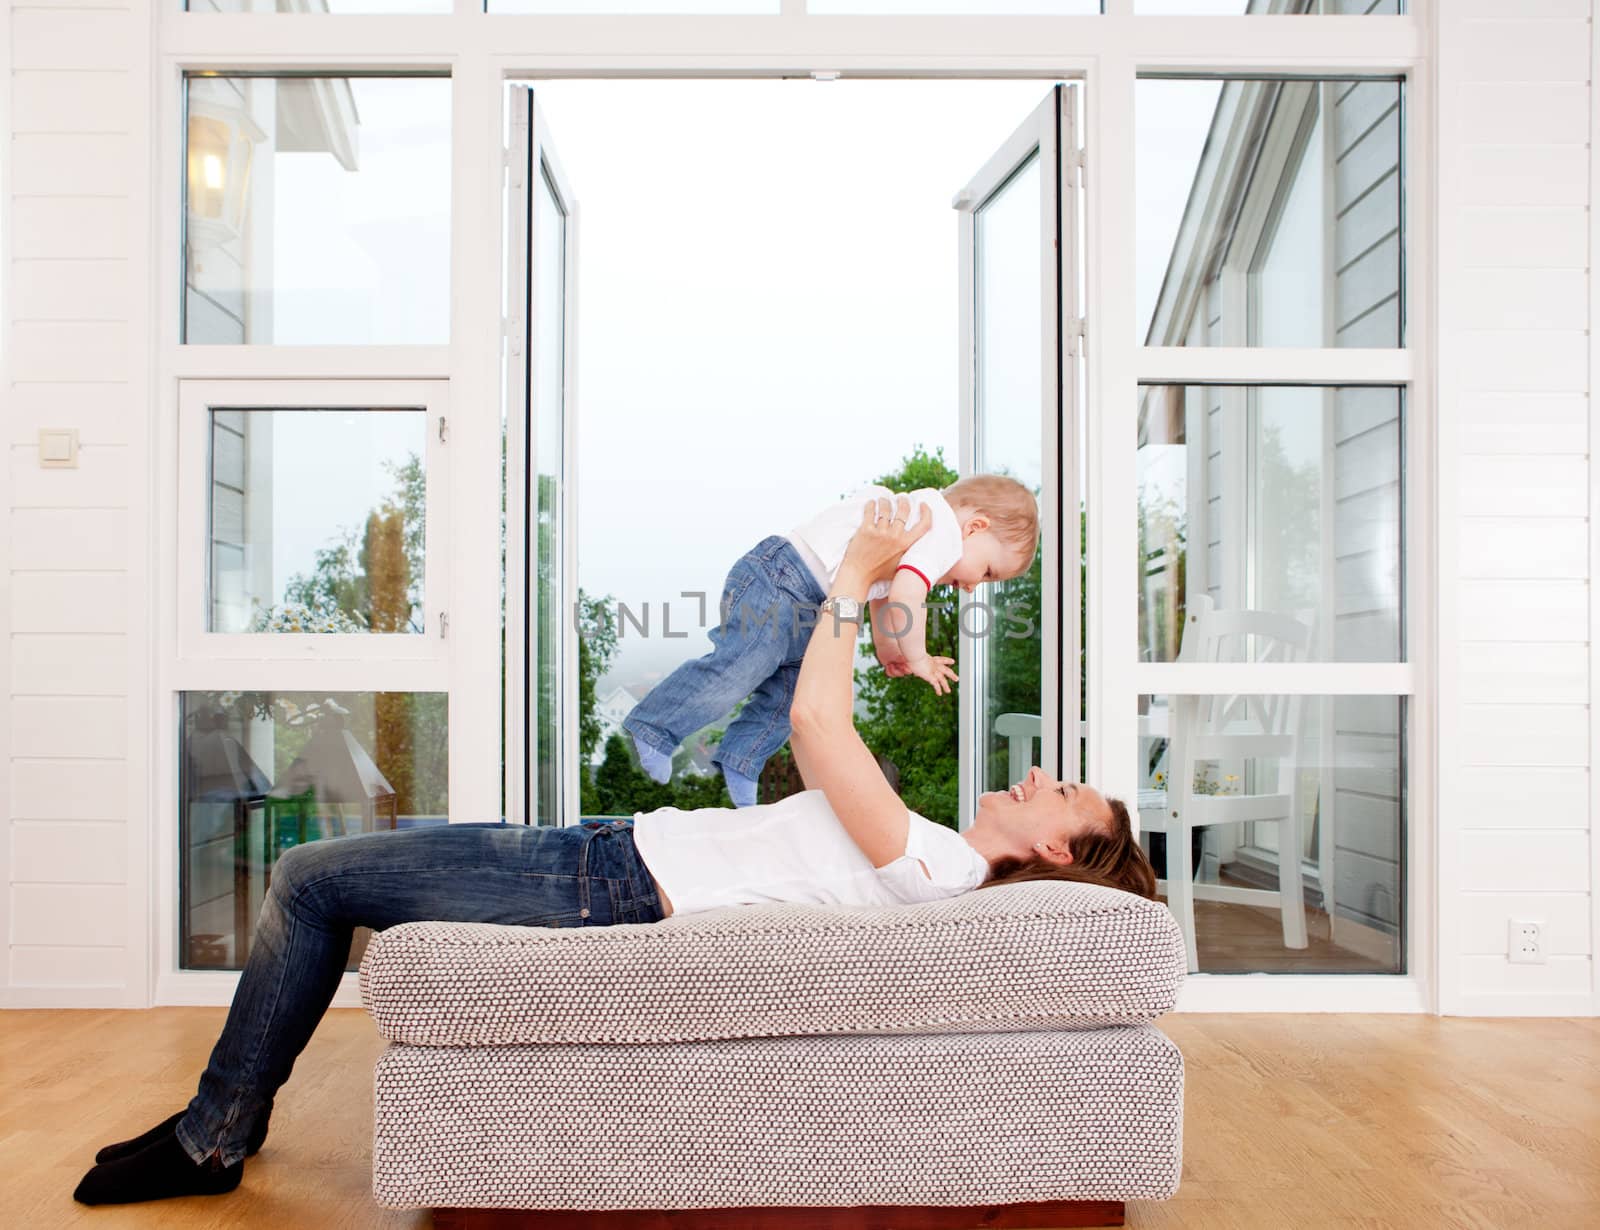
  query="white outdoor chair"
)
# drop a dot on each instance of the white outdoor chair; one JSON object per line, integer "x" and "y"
{"x": 1231, "y": 732}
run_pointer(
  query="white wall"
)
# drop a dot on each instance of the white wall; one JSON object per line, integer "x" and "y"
{"x": 1516, "y": 548}
{"x": 1517, "y": 545}
{"x": 78, "y": 345}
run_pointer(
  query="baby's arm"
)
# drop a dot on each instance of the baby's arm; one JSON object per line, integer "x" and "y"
{"x": 888, "y": 650}
{"x": 908, "y": 590}
{"x": 905, "y": 615}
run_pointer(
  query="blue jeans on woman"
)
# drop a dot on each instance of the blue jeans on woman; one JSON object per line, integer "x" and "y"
{"x": 768, "y": 608}
{"x": 588, "y": 875}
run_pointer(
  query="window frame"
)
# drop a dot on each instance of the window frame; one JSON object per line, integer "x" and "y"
{"x": 1107, "y": 53}
{"x": 196, "y": 401}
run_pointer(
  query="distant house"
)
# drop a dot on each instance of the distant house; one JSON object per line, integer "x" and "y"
{"x": 1288, "y": 499}
{"x": 611, "y": 709}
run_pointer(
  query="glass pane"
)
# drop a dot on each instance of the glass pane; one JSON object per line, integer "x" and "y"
{"x": 1269, "y": 213}
{"x": 1236, "y": 8}
{"x": 317, "y": 520}
{"x": 549, "y": 270}
{"x": 638, "y": 7}
{"x": 319, "y": 6}
{"x": 317, "y": 211}
{"x": 1319, "y": 774}
{"x": 934, "y": 8}
{"x": 1296, "y": 495}
{"x": 1010, "y": 360}
{"x": 262, "y": 771}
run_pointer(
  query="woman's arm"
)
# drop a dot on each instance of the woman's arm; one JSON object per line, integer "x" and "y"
{"x": 827, "y": 750}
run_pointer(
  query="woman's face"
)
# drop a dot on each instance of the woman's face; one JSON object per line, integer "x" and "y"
{"x": 1041, "y": 816}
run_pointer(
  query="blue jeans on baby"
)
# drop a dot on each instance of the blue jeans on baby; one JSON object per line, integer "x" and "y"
{"x": 768, "y": 609}
{"x": 586, "y": 875}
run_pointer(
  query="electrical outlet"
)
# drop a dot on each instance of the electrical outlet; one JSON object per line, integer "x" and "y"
{"x": 1527, "y": 942}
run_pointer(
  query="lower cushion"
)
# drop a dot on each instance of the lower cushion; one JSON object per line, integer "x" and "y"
{"x": 947, "y": 1120}
{"x": 1038, "y": 955}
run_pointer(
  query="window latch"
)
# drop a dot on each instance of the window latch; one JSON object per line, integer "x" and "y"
{"x": 444, "y": 624}
{"x": 441, "y": 429}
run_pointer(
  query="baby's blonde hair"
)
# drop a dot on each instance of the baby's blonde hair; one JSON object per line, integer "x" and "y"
{"x": 1011, "y": 508}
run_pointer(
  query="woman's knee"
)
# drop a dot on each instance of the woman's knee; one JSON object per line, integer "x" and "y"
{"x": 301, "y": 866}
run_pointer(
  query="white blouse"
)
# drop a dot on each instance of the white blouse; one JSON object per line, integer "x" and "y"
{"x": 794, "y": 850}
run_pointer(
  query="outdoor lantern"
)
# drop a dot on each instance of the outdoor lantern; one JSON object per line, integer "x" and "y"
{"x": 333, "y": 772}
{"x": 222, "y": 141}
{"x": 218, "y": 770}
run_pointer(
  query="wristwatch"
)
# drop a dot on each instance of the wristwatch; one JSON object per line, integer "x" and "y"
{"x": 842, "y": 606}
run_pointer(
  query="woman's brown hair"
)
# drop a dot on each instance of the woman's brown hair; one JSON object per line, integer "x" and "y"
{"x": 1112, "y": 860}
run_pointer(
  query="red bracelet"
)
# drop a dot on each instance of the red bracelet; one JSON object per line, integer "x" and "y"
{"x": 918, "y": 571}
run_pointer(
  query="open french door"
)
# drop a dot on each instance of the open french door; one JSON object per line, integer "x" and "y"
{"x": 541, "y": 645}
{"x": 1020, "y": 655}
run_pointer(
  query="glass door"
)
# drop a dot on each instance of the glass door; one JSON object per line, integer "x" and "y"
{"x": 541, "y": 650}
{"x": 1020, "y": 644}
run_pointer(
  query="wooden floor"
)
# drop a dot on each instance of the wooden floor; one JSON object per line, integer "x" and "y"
{"x": 1291, "y": 1121}
{"x": 1247, "y": 939}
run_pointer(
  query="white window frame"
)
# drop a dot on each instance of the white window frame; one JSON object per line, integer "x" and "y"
{"x": 1050, "y": 135}
{"x": 196, "y": 400}
{"x": 531, "y": 147}
{"x": 1107, "y": 53}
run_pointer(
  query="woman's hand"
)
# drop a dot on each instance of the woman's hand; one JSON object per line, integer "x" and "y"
{"x": 882, "y": 538}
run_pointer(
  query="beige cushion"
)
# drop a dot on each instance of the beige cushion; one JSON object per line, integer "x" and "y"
{"x": 959, "y": 1119}
{"x": 1042, "y": 955}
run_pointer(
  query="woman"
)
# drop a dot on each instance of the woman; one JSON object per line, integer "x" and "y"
{"x": 847, "y": 838}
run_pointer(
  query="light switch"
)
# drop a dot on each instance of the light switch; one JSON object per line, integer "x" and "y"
{"x": 58, "y": 447}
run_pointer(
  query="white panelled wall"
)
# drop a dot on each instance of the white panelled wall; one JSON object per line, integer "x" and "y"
{"x": 79, "y": 346}
{"x": 1517, "y": 546}
{"x": 1515, "y": 541}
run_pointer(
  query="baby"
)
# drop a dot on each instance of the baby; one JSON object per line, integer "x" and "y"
{"x": 984, "y": 528}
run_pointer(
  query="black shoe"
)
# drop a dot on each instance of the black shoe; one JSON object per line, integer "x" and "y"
{"x": 159, "y": 1171}
{"x": 110, "y": 1153}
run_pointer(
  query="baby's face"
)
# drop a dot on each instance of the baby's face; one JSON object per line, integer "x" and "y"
{"x": 984, "y": 557}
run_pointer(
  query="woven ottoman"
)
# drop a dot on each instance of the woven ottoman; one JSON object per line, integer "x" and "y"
{"x": 983, "y": 1060}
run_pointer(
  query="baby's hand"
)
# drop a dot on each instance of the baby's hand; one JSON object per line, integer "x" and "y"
{"x": 935, "y": 670}
{"x": 896, "y": 668}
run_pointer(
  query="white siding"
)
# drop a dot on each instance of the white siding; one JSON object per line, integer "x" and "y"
{"x": 77, "y": 340}
{"x": 1362, "y": 801}
{"x": 1517, "y": 543}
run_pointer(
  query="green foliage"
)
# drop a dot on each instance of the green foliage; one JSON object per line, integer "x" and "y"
{"x": 619, "y": 787}
{"x": 597, "y": 649}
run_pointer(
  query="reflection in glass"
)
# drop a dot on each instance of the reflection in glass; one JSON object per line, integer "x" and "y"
{"x": 1274, "y": 8}
{"x": 955, "y": 8}
{"x": 1269, "y": 213}
{"x": 317, "y": 211}
{"x": 607, "y": 8}
{"x": 260, "y": 772}
{"x": 317, "y": 520}
{"x": 1227, "y": 775}
{"x": 320, "y": 6}
{"x": 1009, "y": 337}
{"x": 548, "y": 433}
{"x": 1275, "y": 500}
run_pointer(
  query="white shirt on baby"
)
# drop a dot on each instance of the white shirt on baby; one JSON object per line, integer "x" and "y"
{"x": 821, "y": 541}
{"x": 794, "y": 850}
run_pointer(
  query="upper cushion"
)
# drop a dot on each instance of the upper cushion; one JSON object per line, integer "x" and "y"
{"x": 1046, "y": 954}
